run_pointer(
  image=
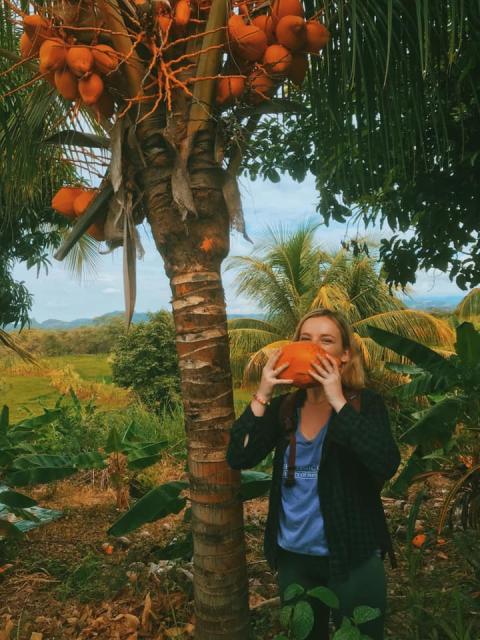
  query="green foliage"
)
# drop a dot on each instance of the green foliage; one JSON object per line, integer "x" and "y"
{"x": 391, "y": 130}
{"x": 146, "y": 360}
{"x": 165, "y": 499}
{"x": 139, "y": 453}
{"x": 452, "y": 386}
{"x": 290, "y": 274}
{"x": 97, "y": 339}
{"x": 297, "y": 617}
{"x": 158, "y": 503}
{"x": 57, "y": 444}
{"x": 28, "y": 224}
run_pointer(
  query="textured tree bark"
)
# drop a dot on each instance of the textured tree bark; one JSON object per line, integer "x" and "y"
{"x": 193, "y": 252}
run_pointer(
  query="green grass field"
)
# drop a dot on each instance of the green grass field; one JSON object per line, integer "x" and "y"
{"x": 94, "y": 368}
{"x": 26, "y": 395}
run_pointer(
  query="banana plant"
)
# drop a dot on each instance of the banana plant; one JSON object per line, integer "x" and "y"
{"x": 23, "y": 464}
{"x": 451, "y": 385}
{"x": 166, "y": 499}
{"x": 18, "y": 512}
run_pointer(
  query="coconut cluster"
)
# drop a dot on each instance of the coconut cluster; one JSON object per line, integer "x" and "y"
{"x": 267, "y": 48}
{"x": 72, "y": 202}
{"x": 77, "y": 71}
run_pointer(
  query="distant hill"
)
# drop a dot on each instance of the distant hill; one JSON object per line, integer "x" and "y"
{"x": 52, "y": 323}
{"x": 440, "y": 303}
{"x": 444, "y": 303}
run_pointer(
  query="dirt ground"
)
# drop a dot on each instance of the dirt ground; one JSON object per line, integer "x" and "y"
{"x": 63, "y": 580}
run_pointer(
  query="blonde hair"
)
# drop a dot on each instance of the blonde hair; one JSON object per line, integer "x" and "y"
{"x": 353, "y": 373}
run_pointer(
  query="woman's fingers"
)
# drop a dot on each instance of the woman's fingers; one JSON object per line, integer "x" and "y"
{"x": 281, "y": 381}
{"x": 325, "y": 362}
{"x": 332, "y": 360}
{"x": 320, "y": 368}
{"x": 316, "y": 376}
{"x": 281, "y": 368}
{"x": 274, "y": 357}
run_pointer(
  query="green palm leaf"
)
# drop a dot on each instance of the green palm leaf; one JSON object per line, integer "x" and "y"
{"x": 417, "y": 325}
{"x": 469, "y": 308}
{"x": 289, "y": 274}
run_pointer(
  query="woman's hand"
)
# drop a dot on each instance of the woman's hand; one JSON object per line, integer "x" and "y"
{"x": 328, "y": 374}
{"x": 269, "y": 378}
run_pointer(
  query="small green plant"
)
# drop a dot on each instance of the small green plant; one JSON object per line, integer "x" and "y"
{"x": 93, "y": 579}
{"x": 297, "y": 617}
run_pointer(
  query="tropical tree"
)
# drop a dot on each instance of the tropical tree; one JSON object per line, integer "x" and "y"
{"x": 391, "y": 131}
{"x": 30, "y": 173}
{"x": 178, "y": 96}
{"x": 289, "y": 274}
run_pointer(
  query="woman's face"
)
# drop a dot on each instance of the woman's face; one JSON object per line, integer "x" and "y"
{"x": 325, "y": 332}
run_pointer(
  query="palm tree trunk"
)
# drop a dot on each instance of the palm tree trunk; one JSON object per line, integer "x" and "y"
{"x": 192, "y": 252}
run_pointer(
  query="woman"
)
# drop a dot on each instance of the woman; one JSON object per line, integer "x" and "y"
{"x": 333, "y": 452}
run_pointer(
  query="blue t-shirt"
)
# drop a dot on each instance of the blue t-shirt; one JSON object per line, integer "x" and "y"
{"x": 301, "y": 521}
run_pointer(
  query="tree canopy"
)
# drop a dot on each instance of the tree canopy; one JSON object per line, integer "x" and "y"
{"x": 290, "y": 273}
{"x": 391, "y": 131}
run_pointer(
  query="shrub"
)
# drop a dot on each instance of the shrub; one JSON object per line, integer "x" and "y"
{"x": 145, "y": 359}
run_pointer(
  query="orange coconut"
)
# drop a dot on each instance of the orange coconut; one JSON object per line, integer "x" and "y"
{"x": 52, "y": 55}
{"x": 81, "y": 202}
{"x": 27, "y": 47}
{"x": 36, "y": 27}
{"x": 291, "y": 31}
{"x": 182, "y": 13}
{"x": 105, "y": 58}
{"x": 247, "y": 41}
{"x": 266, "y": 24}
{"x": 298, "y": 69}
{"x": 317, "y": 36}
{"x": 282, "y": 8}
{"x": 66, "y": 84}
{"x": 80, "y": 60}
{"x": 229, "y": 89}
{"x": 277, "y": 59}
{"x": 300, "y": 356}
{"x": 261, "y": 86}
{"x": 90, "y": 88}
{"x": 63, "y": 201}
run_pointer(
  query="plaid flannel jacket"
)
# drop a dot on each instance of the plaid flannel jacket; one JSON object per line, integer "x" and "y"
{"x": 359, "y": 455}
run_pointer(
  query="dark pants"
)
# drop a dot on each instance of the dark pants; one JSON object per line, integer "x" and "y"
{"x": 365, "y": 585}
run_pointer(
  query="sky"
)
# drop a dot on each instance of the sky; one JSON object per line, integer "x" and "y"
{"x": 60, "y": 295}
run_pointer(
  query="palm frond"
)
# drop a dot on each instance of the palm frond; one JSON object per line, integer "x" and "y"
{"x": 250, "y": 323}
{"x": 11, "y": 343}
{"x": 246, "y": 336}
{"x": 335, "y": 297}
{"x": 259, "y": 281}
{"x": 243, "y": 342}
{"x": 468, "y": 308}
{"x": 82, "y": 261}
{"x": 257, "y": 361}
{"x": 417, "y": 325}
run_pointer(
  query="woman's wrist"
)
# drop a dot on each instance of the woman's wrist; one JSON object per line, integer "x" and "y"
{"x": 339, "y": 403}
{"x": 262, "y": 397}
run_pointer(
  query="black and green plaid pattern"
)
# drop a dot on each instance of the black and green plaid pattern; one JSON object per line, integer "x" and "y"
{"x": 358, "y": 456}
